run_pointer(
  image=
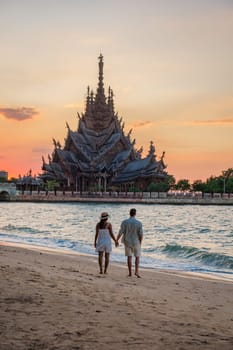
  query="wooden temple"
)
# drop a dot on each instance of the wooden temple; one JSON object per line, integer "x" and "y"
{"x": 99, "y": 155}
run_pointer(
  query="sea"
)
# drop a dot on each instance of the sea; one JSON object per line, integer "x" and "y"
{"x": 187, "y": 238}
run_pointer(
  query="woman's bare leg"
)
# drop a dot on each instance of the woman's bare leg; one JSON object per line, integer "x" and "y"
{"x": 101, "y": 261}
{"x": 106, "y": 262}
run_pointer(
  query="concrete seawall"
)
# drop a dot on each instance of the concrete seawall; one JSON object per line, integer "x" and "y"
{"x": 108, "y": 199}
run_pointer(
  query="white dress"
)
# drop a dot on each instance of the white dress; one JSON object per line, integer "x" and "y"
{"x": 104, "y": 243}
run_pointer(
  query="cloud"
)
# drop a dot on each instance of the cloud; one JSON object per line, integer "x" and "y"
{"x": 19, "y": 114}
{"x": 141, "y": 124}
{"x": 222, "y": 121}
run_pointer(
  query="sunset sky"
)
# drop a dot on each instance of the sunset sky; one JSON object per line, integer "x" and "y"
{"x": 169, "y": 63}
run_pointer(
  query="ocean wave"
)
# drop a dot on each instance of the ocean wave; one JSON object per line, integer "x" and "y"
{"x": 204, "y": 230}
{"x": 21, "y": 229}
{"x": 54, "y": 243}
{"x": 199, "y": 255}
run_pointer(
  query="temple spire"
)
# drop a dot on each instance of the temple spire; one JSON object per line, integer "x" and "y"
{"x": 88, "y": 99}
{"x": 100, "y": 89}
{"x": 110, "y": 100}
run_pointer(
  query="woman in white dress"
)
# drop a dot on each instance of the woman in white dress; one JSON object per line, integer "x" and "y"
{"x": 103, "y": 242}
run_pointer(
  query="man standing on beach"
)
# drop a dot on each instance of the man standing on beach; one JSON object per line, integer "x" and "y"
{"x": 131, "y": 229}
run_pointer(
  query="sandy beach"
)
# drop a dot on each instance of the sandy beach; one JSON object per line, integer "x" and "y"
{"x": 56, "y": 300}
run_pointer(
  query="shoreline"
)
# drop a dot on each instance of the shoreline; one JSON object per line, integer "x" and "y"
{"x": 59, "y": 301}
{"x": 94, "y": 257}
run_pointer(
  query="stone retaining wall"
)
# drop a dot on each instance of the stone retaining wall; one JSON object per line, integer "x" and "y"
{"x": 68, "y": 197}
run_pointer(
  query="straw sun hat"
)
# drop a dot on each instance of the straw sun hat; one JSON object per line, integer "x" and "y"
{"x": 104, "y": 216}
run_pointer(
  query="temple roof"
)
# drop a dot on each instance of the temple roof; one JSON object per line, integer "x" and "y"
{"x": 146, "y": 167}
{"x": 100, "y": 144}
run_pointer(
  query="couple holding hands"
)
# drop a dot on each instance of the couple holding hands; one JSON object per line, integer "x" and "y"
{"x": 132, "y": 234}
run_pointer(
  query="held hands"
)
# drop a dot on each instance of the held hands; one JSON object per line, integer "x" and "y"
{"x": 116, "y": 243}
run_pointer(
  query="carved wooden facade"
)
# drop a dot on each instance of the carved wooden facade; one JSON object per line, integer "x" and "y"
{"x": 99, "y": 155}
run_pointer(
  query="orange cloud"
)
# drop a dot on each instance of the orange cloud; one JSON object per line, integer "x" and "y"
{"x": 141, "y": 124}
{"x": 19, "y": 114}
{"x": 222, "y": 121}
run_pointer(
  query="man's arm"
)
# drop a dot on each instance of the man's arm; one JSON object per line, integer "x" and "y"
{"x": 121, "y": 232}
{"x": 111, "y": 234}
{"x": 118, "y": 236}
{"x": 140, "y": 234}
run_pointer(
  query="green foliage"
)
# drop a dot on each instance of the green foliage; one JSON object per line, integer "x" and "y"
{"x": 158, "y": 187}
{"x": 228, "y": 173}
{"x": 216, "y": 184}
{"x": 170, "y": 181}
{"x": 163, "y": 186}
{"x": 183, "y": 185}
{"x": 51, "y": 185}
{"x": 133, "y": 189}
{"x": 229, "y": 185}
{"x": 199, "y": 186}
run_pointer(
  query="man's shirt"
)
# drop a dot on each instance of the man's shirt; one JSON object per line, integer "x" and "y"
{"x": 131, "y": 229}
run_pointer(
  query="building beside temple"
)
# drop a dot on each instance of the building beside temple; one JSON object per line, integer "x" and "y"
{"x": 3, "y": 175}
{"x": 99, "y": 155}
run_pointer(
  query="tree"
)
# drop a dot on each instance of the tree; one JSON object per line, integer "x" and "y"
{"x": 183, "y": 185}
{"x": 229, "y": 185}
{"x": 133, "y": 188}
{"x": 227, "y": 179}
{"x": 214, "y": 185}
{"x": 158, "y": 187}
{"x": 198, "y": 185}
{"x": 51, "y": 185}
{"x": 171, "y": 181}
{"x": 227, "y": 173}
